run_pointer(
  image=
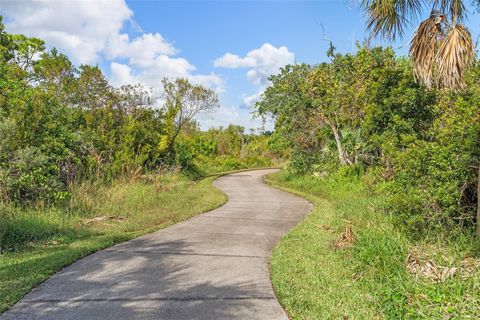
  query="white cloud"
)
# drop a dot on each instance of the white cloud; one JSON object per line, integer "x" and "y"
{"x": 263, "y": 61}
{"x": 250, "y": 100}
{"x": 151, "y": 72}
{"x": 88, "y": 31}
{"x": 232, "y": 115}
{"x": 163, "y": 67}
{"x": 212, "y": 81}
{"x": 82, "y": 29}
{"x": 140, "y": 51}
{"x": 169, "y": 67}
{"x": 121, "y": 74}
{"x": 91, "y": 32}
{"x": 233, "y": 61}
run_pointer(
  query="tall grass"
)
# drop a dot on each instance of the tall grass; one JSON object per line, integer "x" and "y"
{"x": 369, "y": 277}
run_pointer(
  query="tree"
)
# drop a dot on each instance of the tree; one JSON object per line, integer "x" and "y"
{"x": 60, "y": 124}
{"x": 325, "y": 89}
{"x": 341, "y": 92}
{"x": 54, "y": 72}
{"x": 287, "y": 101}
{"x": 183, "y": 101}
{"x": 441, "y": 48}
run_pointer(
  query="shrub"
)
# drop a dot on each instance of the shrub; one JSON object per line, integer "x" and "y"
{"x": 30, "y": 177}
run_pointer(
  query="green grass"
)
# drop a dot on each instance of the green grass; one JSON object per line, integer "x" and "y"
{"x": 369, "y": 280}
{"x": 38, "y": 243}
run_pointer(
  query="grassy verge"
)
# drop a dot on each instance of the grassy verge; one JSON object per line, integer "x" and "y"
{"x": 38, "y": 243}
{"x": 321, "y": 270}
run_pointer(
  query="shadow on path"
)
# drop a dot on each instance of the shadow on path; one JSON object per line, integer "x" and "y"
{"x": 213, "y": 266}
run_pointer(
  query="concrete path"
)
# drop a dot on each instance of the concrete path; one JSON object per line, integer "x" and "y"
{"x": 213, "y": 266}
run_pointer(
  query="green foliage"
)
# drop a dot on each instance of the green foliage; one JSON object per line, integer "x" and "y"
{"x": 221, "y": 149}
{"x": 61, "y": 125}
{"x": 17, "y": 230}
{"x": 365, "y": 110}
{"x": 30, "y": 175}
{"x": 435, "y": 178}
{"x": 394, "y": 161}
{"x": 183, "y": 101}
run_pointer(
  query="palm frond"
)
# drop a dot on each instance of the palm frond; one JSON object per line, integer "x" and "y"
{"x": 455, "y": 8}
{"x": 389, "y": 18}
{"x": 424, "y": 45}
{"x": 454, "y": 56}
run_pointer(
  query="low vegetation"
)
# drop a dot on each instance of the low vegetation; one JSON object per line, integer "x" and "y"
{"x": 37, "y": 242}
{"x": 61, "y": 125}
{"x": 349, "y": 259}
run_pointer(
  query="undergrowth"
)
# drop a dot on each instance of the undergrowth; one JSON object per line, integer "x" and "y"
{"x": 380, "y": 271}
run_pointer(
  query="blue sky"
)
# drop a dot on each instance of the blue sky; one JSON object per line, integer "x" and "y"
{"x": 230, "y": 46}
{"x": 206, "y": 30}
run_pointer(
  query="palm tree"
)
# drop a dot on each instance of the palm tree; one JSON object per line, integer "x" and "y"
{"x": 441, "y": 48}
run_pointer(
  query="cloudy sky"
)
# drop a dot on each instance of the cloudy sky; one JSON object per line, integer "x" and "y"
{"x": 229, "y": 46}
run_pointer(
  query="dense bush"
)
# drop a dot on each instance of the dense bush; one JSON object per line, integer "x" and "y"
{"x": 222, "y": 149}
{"x": 436, "y": 177}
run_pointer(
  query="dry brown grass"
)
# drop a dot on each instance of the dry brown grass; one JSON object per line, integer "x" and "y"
{"x": 346, "y": 239}
{"x": 423, "y": 267}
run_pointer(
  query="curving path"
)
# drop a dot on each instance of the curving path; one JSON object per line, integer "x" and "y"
{"x": 213, "y": 266}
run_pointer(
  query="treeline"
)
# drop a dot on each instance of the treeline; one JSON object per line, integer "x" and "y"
{"x": 61, "y": 125}
{"x": 365, "y": 115}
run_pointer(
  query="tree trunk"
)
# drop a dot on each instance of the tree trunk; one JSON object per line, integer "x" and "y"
{"x": 338, "y": 140}
{"x": 171, "y": 143}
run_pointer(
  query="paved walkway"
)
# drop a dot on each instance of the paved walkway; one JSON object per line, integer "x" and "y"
{"x": 213, "y": 266}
